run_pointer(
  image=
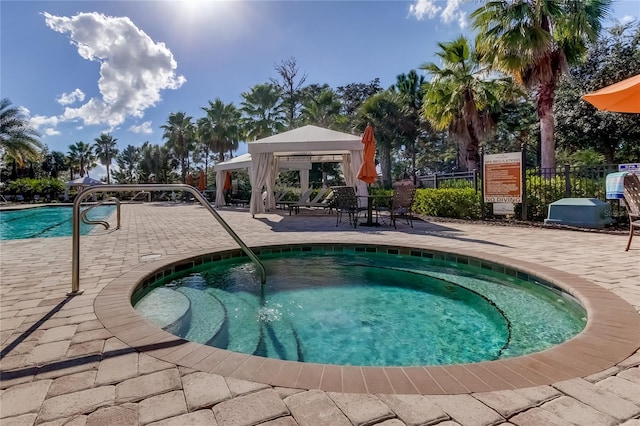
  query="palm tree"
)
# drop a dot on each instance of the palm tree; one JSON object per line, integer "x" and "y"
{"x": 263, "y": 111}
{"x": 127, "y": 160}
{"x": 221, "y": 127}
{"x": 535, "y": 41}
{"x": 81, "y": 158}
{"x": 411, "y": 86}
{"x": 389, "y": 114}
{"x": 156, "y": 163}
{"x": 105, "y": 149}
{"x": 180, "y": 135}
{"x": 322, "y": 110}
{"x": 17, "y": 138}
{"x": 460, "y": 99}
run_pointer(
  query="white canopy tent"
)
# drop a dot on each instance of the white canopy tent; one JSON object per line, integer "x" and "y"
{"x": 311, "y": 143}
{"x": 243, "y": 162}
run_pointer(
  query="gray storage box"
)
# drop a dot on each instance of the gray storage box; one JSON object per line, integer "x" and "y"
{"x": 582, "y": 212}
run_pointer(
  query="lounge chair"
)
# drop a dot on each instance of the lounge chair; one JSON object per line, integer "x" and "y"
{"x": 322, "y": 199}
{"x": 632, "y": 201}
{"x": 304, "y": 197}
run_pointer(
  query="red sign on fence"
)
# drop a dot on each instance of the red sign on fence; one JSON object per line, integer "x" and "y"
{"x": 502, "y": 176}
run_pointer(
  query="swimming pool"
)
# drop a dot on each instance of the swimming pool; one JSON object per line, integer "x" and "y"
{"x": 360, "y": 307}
{"x": 45, "y": 222}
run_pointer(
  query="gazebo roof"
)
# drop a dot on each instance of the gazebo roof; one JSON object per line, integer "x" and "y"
{"x": 307, "y": 140}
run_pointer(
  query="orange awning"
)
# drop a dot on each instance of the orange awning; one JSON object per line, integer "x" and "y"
{"x": 623, "y": 96}
{"x": 368, "y": 172}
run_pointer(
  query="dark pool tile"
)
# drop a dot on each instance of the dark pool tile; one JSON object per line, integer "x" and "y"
{"x": 468, "y": 379}
{"x": 492, "y": 380}
{"x": 375, "y": 380}
{"x": 195, "y": 357}
{"x": 399, "y": 381}
{"x": 211, "y": 361}
{"x": 229, "y": 364}
{"x": 309, "y": 377}
{"x": 423, "y": 381}
{"x": 331, "y": 380}
{"x": 353, "y": 380}
{"x": 288, "y": 375}
{"x": 248, "y": 367}
{"x": 267, "y": 371}
{"x": 446, "y": 381}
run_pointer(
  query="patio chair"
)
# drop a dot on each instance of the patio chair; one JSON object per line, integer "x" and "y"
{"x": 346, "y": 202}
{"x": 632, "y": 201}
{"x": 401, "y": 204}
{"x": 304, "y": 197}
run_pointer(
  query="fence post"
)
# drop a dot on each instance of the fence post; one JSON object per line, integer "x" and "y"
{"x": 482, "y": 182}
{"x": 475, "y": 180}
{"x": 567, "y": 181}
{"x": 435, "y": 180}
{"x": 523, "y": 167}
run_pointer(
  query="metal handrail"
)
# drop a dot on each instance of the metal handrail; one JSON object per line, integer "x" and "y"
{"x": 75, "y": 260}
{"x": 104, "y": 223}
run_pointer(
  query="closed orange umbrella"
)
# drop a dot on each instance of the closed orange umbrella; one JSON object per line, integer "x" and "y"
{"x": 201, "y": 184}
{"x": 227, "y": 182}
{"x": 368, "y": 172}
{"x": 623, "y": 96}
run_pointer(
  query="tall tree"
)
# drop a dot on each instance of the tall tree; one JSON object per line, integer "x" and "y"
{"x": 411, "y": 85}
{"x": 289, "y": 85}
{"x": 106, "y": 150}
{"x": 354, "y": 94}
{"x": 579, "y": 125}
{"x": 220, "y": 128}
{"x": 460, "y": 99}
{"x": 322, "y": 110}
{"x": 156, "y": 164}
{"x": 389, "y": 114}
{"x": 535, "y": 41}
{"x": 128, "y": 162}
{"x": 263, "y": 112}
{"x": 179, "y": 132}
{"x": 53, "y": 162}
{"x": 17, "y": 138}
{"x": 81, "y": 158}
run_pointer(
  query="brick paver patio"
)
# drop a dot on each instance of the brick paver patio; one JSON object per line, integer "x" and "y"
{"x": 61, "y": 365}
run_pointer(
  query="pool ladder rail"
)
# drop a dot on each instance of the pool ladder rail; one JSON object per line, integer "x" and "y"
{"x": 75, "y": 259}
{"x": 104, "y": 223}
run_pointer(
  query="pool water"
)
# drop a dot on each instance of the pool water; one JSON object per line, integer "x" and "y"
{"x": 45, "y": 222}
{"x": 361, "y": 309}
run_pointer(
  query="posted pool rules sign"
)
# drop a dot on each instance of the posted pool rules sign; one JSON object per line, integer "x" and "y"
{"x": 503, "y": 178}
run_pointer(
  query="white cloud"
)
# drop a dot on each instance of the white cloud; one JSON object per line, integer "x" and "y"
{"x": 133, "y": 68}
{"x": 38, "y": 121}
{"x": 51, "y": 131}
{"x": 429, "y": 9}
{"x": 142, "y": 128}
{"x": 424, "y": 7}
{"x": 70, "y": 98}
{"x": 626, "y": 19}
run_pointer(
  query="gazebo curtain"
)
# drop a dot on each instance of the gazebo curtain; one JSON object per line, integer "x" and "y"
{"x": 220, "y": 177}
{"x": 260, "y": 172}
{"x": 270, "y": 202}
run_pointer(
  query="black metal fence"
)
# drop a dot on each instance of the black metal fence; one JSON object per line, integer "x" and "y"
{"x": 543, "y": 186}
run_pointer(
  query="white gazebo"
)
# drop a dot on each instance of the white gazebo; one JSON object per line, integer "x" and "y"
{"x": 306, "y": 144}
{"x": 243, "y": 162}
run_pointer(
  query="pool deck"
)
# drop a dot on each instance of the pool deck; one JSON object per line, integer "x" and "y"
{"x": 65, "y": 360}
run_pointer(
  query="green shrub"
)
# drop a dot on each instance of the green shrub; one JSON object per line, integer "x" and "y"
{"x": 463, "y": 203}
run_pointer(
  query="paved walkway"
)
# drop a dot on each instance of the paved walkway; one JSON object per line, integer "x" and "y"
{"x": 60, "y": 365}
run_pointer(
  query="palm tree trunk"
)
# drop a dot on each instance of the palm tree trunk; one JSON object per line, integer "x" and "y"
{"x": 545, "y": 114}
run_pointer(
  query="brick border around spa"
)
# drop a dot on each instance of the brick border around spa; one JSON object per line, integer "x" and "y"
{"x": 611, "y": 335}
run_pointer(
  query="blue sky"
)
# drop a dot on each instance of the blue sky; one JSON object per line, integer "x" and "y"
{"x": 81, "y": 68}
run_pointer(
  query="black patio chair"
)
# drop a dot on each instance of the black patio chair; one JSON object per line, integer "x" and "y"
{"x": 346, "y": 203}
